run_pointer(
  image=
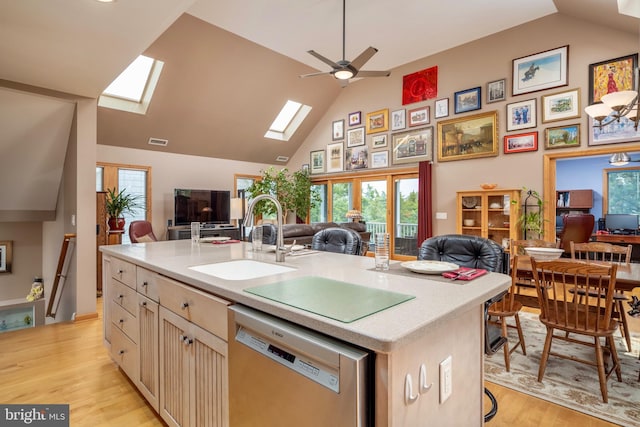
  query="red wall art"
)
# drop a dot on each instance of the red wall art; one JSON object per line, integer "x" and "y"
{"x": 420, "y": 86}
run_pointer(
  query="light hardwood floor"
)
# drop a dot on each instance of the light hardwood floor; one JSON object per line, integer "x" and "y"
{"x": 67, "y": 363}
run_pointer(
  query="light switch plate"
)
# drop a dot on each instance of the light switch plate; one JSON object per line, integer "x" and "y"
{"x": 441, "y": 215}
{"x": 446, "y": 379}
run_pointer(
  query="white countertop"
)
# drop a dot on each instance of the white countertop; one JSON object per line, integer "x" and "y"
{"x": 435, "y": 300}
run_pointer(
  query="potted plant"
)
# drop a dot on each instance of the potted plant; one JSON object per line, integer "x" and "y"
{"x": 532, "y": 217}
{"x": 293, "y": 191}
{"x": 117, "y": 204}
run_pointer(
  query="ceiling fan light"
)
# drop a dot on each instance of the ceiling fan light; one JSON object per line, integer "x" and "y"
{"x": 343, "y": 74}
{"x": 619, "y": 159}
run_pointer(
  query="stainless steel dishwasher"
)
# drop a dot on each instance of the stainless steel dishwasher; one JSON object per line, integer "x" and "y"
{"x": 285, "y": 375}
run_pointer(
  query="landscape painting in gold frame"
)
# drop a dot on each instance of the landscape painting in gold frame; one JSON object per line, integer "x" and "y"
{"x": 468, "y": 137}
{"x": 378, "y": 121}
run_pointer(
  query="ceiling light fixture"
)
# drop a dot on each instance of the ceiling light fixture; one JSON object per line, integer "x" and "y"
{"x": 616, "y": 105}
{"x": 620, "y": 159}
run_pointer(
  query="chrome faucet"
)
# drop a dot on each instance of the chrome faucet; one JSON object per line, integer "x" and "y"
{"x": 280, "y": 250}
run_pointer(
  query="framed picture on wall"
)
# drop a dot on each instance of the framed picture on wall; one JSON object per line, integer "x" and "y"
{"x": 355, "y": 137}
{"x": 561, "y": 106}
{"x": 562, "y": 136}
{"x": 496, "y": 90}
{"x": 379, "y": 141}
{"x": 377, "y": 121}
{"x": 335, "y": 158}
{"x": 355, "y": 118}
{"x": 356, "y": 158}
{"x": 441, "y": 108}
{"x": 521, "y": 115}
{"x": 613, "y": 133}
{"x": 612, "y": 75}
{"x": 398, "y": 119}
{"x": 521, "y": 142}
{"x": 337, "y": 130}
{"x": 467, "y": 100}
{"x": 468, "y": 137}
{"x": 6, "y": 256}
{"x": 413, "y": 146}
{"x": 419, "y": 116}
{"x": 317, "y": 161}
{"x": 544, "y": 70}
{"x": 380, "y": 159}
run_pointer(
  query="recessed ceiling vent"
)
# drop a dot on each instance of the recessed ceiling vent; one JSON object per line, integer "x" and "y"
{"x": 158, "y": 141}
{"x": 282, "y": 159}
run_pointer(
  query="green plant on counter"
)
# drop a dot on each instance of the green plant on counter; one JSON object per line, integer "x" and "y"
{"x": 532, "y": 220}
{"x": 293, "y": 191}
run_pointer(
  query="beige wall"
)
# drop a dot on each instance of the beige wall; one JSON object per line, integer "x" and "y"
{"x": 473, "y": 65}
{"x": 169, "y": 171}
{"x": 27, "y": 258}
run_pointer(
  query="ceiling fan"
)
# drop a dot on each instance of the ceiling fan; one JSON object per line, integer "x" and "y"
{"x": 620, "y": 159}
{"x": 344, "y": 70}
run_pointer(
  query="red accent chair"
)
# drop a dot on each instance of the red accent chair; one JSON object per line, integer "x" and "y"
{"x": 141, "y": 232}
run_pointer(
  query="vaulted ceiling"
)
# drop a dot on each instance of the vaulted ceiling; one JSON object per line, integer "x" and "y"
{"x": 229, "y": 65}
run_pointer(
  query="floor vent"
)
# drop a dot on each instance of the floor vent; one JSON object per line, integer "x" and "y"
{"x": 158, "y": 141}
{"x": 282, "y": 159}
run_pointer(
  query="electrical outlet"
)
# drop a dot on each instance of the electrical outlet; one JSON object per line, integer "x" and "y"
{"x": 446, "y": 379}
{"x": 441, "y": 215}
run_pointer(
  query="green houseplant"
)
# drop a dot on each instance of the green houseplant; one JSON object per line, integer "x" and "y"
{"x": 118, "y": 203}
{"x": 532, "y": 217}
{"x": 293, "y": 191}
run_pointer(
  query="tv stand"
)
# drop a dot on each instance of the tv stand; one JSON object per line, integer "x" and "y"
{"x": 183, "y": 232}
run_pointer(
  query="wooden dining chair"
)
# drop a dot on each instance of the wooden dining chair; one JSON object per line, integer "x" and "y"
{"x": 516, "y": 247}
{"x": 508, "y": 307}
{"x": 606, "y": 252}
{"x": 554, "y": 281}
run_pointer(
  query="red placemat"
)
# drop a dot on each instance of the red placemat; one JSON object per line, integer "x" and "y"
{"x": 464, "y": 273}
{"x": 223, "y": 242}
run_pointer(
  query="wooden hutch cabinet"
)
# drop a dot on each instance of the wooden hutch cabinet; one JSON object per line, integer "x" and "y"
{"x": 574, "y": 200}
{"x": 492, "y": 214}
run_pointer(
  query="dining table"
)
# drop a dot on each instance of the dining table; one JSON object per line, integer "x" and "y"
{"x": 627, "y": 278}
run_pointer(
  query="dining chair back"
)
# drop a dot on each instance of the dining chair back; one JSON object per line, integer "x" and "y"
{"x": 516, "y": 247}
{"x": 505, "y": 308}
{"x": 337, "y": 239}
{"x": 606, "y": 252}
{"x": 555, "y": 281}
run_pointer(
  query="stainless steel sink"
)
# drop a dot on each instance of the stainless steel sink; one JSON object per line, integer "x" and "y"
{"x": 242, "y": 269}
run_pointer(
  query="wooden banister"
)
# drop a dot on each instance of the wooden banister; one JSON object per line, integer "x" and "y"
{"x": 61, "y": 273}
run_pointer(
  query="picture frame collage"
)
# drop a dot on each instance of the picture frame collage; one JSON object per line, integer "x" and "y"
{"x": 414, "y": 138}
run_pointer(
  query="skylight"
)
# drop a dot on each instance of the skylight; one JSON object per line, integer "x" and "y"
{"x": 287, "y": 121}
{"x": 131, "y": 82}
{"x": 132, "y": 90}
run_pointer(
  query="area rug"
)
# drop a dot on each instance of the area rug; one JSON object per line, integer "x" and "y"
{"x": 567, "y": 383}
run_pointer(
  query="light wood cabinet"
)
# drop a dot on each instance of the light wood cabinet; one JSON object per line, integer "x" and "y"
{"x": 193, "y": 374}
{"x": 171, "y": 341}
{"x": 492, "y": 214}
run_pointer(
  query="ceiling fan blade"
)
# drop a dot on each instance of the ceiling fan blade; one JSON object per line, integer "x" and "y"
{"x": 363, "y": 57}
{"x": 322, "y": 73}
{"x": 373, "y": 74}
{"x": 323, "y": 59}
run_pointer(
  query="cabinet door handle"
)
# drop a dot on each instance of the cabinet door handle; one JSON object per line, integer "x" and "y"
{"x": 409, "y": 397}
{"x": 143, "y": 303}
{"x": 121, "y": 352}
{"x": 423, "y": 387}
{"x": 184, "y": 305}
{"x": 187, "y": 341}
{"x": 120, "y": 272}
{"x": 121, "y": 321}
{"x": 120, "y": 296}
{"x": 144, "y": 284}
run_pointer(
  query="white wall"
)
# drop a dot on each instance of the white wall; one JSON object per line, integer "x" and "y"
{"x": 472, "y": 65}
{"x": 170, "y": 171}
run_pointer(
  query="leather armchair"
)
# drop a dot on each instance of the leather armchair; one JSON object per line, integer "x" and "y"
{"x": 141, "y": 232}
{"x": 337, "y": 239}
{"x": 577, "y": 228}
{"x": 466, "y": 251}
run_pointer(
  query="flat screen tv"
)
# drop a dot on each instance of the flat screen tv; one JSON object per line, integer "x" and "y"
{"x": 204, "y": 206}
{"x": 621, "y": 222}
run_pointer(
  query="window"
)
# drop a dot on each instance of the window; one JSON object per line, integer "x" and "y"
{"x": 287, "y": 121}
{"x": 622, "y": 190}
{"x": 132, "y": 90}
{"x": 135, "y": 180}
{"x": 388, "y": 202}
{"x": 319, "y": 212}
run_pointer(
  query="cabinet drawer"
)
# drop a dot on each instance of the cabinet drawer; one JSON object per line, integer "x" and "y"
{"x": 124, "y": 296}
{"x": 147, "y": 283}
{"x": 124, "y": 352}
{"x": 124, "y": 321}
{"x": 205, "y": 310}
{"x": 123, "y": 271}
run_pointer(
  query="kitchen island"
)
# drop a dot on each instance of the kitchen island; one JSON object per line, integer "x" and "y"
{"x": 444, "y": 319}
